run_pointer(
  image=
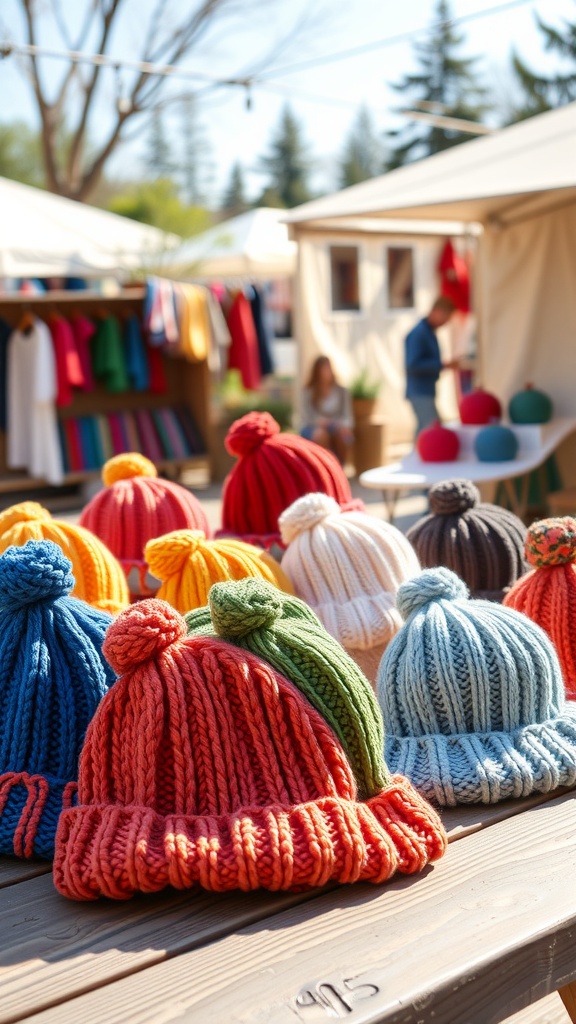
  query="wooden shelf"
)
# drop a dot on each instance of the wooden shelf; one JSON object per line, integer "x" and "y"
{"x": 82, "y": 295}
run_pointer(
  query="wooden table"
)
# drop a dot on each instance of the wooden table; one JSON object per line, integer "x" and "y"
{"x": 488, "y": 930}
{"x": 411, "y": 474}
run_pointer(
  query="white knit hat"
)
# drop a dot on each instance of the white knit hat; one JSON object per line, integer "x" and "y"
{"x": 347, "y": 566}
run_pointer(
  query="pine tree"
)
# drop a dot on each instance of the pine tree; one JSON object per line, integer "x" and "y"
{"x": 234, "y": 198}
{"x": 159, "y": 158}
{"x": 363, "y": 152}
{"x": 540, "y": 93}
{"x": 287, "y": 165}
{"x": 443, "y": 79}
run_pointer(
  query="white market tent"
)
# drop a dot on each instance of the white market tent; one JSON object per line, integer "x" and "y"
{"x": 254, "y": 244}
{"x": 44, "y": 235}
{"x": 520, "y": 185}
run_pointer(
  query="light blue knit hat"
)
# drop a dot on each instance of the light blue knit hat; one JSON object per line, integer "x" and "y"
{"x": 473, "y": 698}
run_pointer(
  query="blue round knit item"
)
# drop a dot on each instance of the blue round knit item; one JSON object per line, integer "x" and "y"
{"x": 52, "y": 677}
{"x": 473, "y": 698}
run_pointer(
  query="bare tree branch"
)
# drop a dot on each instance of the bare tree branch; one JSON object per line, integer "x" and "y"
{"x": 48, "y": 131}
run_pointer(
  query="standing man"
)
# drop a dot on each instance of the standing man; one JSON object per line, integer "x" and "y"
{"x": 424, "y": 363}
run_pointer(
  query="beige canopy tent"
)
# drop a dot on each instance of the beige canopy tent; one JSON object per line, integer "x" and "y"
{"x": 520, "y": 185}
{"x": 255, "y": 245}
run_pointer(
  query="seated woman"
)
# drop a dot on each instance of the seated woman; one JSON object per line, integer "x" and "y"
{"x": 326, "y": 410}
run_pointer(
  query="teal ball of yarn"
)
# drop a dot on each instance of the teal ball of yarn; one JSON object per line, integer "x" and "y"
{"x": 496, "y": 444}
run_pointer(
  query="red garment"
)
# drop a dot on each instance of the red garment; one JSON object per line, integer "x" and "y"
{"x": 72, "y": 432}
{"x": 68, "y": 367}
{"x": 243, "y": 352}
{"x": 158, "y": 385}
{"x": 454, "y": 278}
{"x": 83, "y": 330}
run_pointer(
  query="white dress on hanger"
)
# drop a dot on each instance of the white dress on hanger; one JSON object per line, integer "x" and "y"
{"x": 33, "y": 441}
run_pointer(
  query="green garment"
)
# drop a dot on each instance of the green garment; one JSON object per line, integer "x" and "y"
{"x": 286, "y": 633}
{"x": 108, "y": 361}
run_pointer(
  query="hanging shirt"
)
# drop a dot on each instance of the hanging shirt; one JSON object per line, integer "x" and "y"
{"x": 5, "y": 332}
{"x": 263, "y": 332}
{"x": 68, "y": 366}
{"x": 194, "y": 322}
{"x": 219, "y": 334}
{"x": 83, "y": 330}
{"x": 243, "y": 351}
{"x": 108, "y": 361}
{"x": 33, "y": 441}
{"x": 135, "y": 352}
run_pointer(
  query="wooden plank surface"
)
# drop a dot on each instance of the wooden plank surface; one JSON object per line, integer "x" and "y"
{"x": 549, "y": 1010}
{"x": 467, "y": 819}
{"x": 13, "y": 871}
{"x": 488, "y": 930}
{"x": 53, "y": 949}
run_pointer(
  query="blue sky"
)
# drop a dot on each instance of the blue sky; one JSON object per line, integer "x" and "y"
{"x": 325, "y": 97}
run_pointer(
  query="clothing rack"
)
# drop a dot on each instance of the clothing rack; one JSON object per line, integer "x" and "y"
{"x": 188, "y": 384}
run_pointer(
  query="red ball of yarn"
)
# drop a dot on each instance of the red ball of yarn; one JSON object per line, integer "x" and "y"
{"x": 479, "y": 408}
{"x": 437, "y": 444}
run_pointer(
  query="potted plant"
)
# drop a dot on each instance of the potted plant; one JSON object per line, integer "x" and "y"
{"x": 364, "y": 395}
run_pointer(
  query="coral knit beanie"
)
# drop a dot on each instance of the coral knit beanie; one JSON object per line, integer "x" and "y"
{"x": 52, "y": 678}
{"x": 547, "y": 594}
{"x": 273, "y": 469}
{"x": 134, "y": 507}
{"x": 189, "y": 564}
{"x": 348, "y": 566}
{"x": 285, "y": 632}
{"x": 205, "y": 767}
{"x": 99, "y": 578}
{"x": 482, "y": 543}
{"x": 473, "y": 698}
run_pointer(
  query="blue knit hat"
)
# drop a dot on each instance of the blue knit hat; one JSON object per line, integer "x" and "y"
{"x": 473, "y": 698}
{"x": 52, "y": 677}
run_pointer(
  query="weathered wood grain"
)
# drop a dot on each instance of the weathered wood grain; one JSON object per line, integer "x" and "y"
{"x": 490, "y": 929}
{"x": 546, "y": 1011}
{"x": 464, "y": 820}
{"x": 13, "y": 871}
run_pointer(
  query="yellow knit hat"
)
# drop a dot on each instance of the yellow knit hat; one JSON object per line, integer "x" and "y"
{"x": 188, "y": 564}
{"x": 99, "y": 577}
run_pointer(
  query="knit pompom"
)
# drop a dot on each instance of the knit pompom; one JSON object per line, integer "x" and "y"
{"x": 241, "y": 607}
{"x": 430, "y": 585}
{"x": 168, "y": 554}
{"x": 124, "y": 467}
{"x": 141, "y": 632}
{"x": 26, "y": 511}
{"x": 249, "y": 432}
{"x": 305, "y": 513}
{"x": 551, "y": 542}
{"x": 38, "y": 571}
{"x": 453, "y": 496}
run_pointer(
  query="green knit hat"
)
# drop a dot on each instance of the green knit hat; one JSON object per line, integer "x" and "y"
{"x": 286, "y": 633}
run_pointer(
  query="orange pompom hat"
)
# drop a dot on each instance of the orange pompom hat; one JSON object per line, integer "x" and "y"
{"x": 99, "y": 578}
{"x": 135, "y": 506}
{"x": 188, "y": 563}
{"x": 274, "y": 469}
{"x": 204, "y": 766}
{"x": 547, "y": 594}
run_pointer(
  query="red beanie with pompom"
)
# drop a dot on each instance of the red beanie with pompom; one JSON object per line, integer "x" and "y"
{"x": 547, "y": 594}
{"x": 273, "y": 470}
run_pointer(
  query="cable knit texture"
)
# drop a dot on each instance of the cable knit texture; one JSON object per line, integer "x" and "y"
{"x": 52, "y": 677}
{"x": 205, "y": 767}
{"x": 482, "y": 543}
{"x": 188, "y": 563}
{"x": 473, "y": 699}
{"x": 134, "y": 507}
{"x": 287, "y": 634}
{"x": 99, "y": 579}
{"x": 273, "y": 469}
{"x": 547, "y": 594}
{"x": 347, "y": 566}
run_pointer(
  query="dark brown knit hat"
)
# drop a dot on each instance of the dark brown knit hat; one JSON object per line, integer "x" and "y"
{"x": 482, "y": 543}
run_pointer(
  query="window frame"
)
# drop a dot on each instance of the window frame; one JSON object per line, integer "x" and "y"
{"x": 340, "y": 314}
{"x": 398, "y": 309}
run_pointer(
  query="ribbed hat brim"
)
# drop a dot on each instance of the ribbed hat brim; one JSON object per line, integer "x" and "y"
{"x": 118, "y": 851}
{"x": 489, "y": 767}
{"x": 30, "y": 806}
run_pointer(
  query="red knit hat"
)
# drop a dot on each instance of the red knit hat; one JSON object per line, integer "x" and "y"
{"x": 274, "y": 469}
{"x": 204, "y": 766}
{"x": 134, "y": 507}
{"x": 547, "y": 594}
